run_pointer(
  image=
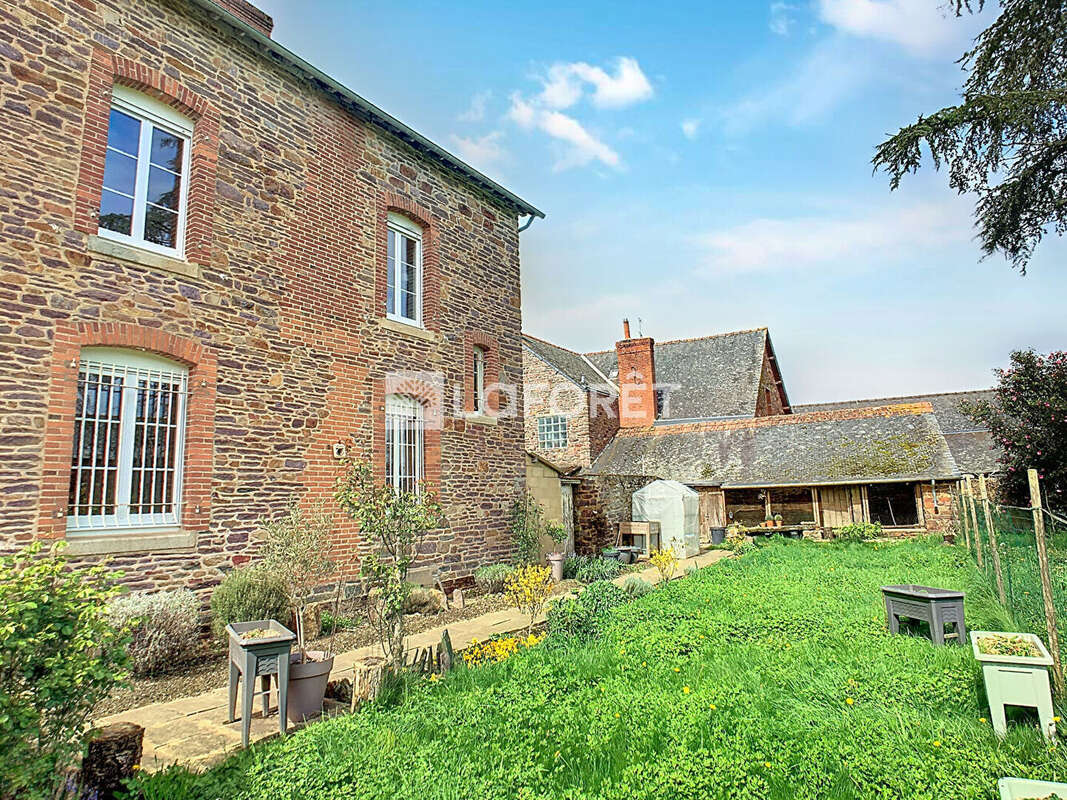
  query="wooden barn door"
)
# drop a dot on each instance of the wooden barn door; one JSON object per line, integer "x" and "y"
{"x": 842, "y": 505}
{"x": 712, "y": 512}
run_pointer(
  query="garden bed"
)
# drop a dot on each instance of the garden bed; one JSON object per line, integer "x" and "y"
{"x": 767, "y": 676}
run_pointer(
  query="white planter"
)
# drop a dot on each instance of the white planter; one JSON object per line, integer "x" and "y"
{"x": 1023, "y": 789}
{"x": 1016, "y": 681}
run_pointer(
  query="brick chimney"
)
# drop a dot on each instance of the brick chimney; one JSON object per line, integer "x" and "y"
{"x": 637, "y": 378}
{"x": 246, "y": 12}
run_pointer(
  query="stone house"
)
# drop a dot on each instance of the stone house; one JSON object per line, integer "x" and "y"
{"x": 220, "y": 269}
{"x": 713, "y": 413}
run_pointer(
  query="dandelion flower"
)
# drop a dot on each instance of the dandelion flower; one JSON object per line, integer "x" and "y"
{"x": 677, "y": 669}
{"x": 1055, "y": 719}
{"x": 616, "y": 715}
{"x": 937, "y": 743}
{"x": 850, "y": 701}
{"x": 767, "y": 764}
{"x": 982, "y": 720}
{"x": 685, "y": 690}
{"x": 712, "y": 706}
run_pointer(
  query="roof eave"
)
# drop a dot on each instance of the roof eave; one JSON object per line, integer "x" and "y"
{"x": 384, "y": 120}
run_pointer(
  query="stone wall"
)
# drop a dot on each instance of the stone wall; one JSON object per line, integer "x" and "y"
{"x": 552, "y": 393}
{"x": 601, "y": 502}
{"x": 283, "y": 287}
{"x": 771, "y": 398}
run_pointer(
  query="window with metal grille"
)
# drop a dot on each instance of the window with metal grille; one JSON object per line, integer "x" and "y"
{"x": 146, "y": 171}
{"x": 479, "y": 379}
{"x": 129, "y": 429}
{"x": 404, "y": 301}
{"x": 552, "y": 431}
{"x": 403, "y": 442}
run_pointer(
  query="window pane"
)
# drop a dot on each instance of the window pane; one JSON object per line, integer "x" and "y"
{"x": 164, "y": 188}
{"x": 410, "y": 252}
{"x": 94, "y": 464}
{"x": 167, "y": 150}
{"x": 390, "y": 303}
{"x": 161, "y": 226}
{"x": 124, "y": 132}
{"x": 120, "y": 172}
{"x": 116, "y": 212}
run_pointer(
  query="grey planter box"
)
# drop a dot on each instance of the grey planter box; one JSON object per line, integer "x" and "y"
{"x": 1016, "y": 681}
{"x": 935, "y": 606}
{"x": 1023, "y": 789}
{"x": 259, "y": 658}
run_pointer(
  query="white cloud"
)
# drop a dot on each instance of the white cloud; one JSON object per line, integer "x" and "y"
{"x": 476, "y": 111}
{"x": 766, "y": 245}
{"x": 564, "y": 84}
{"x": 690, "y": 127}
{"x": 483, "y": 151}
{"x": 922, "y": 27}
{"x": 781, "y": 19}
{"x": 583, "y": 147}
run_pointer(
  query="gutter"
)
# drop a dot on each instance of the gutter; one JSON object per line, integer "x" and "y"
{"x": 809, "y": 484}
{"x": 364, "y": 108}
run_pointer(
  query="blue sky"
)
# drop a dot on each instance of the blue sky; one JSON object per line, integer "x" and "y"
{"x": 705, "y": 167}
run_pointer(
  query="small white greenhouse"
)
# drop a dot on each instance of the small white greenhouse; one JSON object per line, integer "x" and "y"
{"x": 675, "y": 507}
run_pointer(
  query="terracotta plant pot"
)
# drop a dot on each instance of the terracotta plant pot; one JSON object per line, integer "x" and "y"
{"x": 307, "y": 684}
{"x": 555, "y": 561}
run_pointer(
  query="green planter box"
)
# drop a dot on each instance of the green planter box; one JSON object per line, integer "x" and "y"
{"x": 1016, "y": 681}
{"x": 1023, "y": 789}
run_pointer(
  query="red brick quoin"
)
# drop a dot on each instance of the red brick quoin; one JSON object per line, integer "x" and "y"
{"x": 70, "y": 338}
{"x": 105, "y": 71}
{"x": 431, "y": 270}
{"x": 471, "y": 339}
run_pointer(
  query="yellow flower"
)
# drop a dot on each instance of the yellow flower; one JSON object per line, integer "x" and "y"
{"x": 685, "y": 690}
{"x": 557, "y": 754}
{"x": 435, "y": 678}
{"x": 849, "y": 700}
{"x": 677, "y": 669}
{"x": 937, "y": 743}
{"x": 767, "y": 764}
{"x": 644, "y": 663}
{"x": 616, "y": 715}
{"x": 1055, "y": 719}
{"x": 982, "y": 720}
{"x": 712, "y": 706}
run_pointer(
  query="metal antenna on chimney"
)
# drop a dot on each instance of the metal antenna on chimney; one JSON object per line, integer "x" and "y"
{"x": 640, "y": 333}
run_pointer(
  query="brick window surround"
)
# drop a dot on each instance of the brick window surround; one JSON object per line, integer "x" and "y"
{"x": 431, "y": 272}
{"x": 70, "y": 338}
{"x": 432, "y": 404}
{"x": 105, "y": 71}
{"x": 472, "y": 339}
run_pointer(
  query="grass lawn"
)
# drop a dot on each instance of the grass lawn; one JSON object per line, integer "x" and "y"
{"x": 769, "y": 676}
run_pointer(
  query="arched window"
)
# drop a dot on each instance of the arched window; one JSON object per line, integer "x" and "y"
{"x": 146, "y": 173}
{"x": 404, "y": 435}
{"x": 129, "y": 441}
{"x": 404, "y": 301}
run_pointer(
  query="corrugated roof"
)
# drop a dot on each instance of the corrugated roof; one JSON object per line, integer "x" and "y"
{"x": 568, "y": 363}
{"x": 867, "y": 445}
{"x": 714, "y": 376}
{"x": 946, "y": 407}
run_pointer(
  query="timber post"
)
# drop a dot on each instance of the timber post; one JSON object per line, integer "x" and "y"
{"x": 1046, "y": 578}
{"x": 992, "y": 531}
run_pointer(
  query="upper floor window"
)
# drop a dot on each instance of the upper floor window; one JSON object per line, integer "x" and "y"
{"x": 479, "y": 379}
{"x": 146, "y": 173}
{"x": 552, "y": 431}
{"x": 404, "y": 300}
{"x": 403, "y": 442}
{"x": 129, "y": 430}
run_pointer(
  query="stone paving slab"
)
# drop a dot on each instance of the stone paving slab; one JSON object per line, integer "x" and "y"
{"x": 194, "y": 730}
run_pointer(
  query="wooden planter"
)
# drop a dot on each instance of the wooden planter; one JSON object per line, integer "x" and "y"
{"x": 1016, "y": 681}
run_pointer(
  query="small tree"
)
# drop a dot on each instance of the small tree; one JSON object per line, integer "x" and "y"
{"x": 59, "y": 657}
{"x": 529, "y": 589}
{"x": 397, "y": 522}
{"x": 527, "y": 525}
{"x": 295, "y": 549}
{"x": 557, "y": 532}
{"x": 1027, "y": 418}
{"x": 666, "y": 561}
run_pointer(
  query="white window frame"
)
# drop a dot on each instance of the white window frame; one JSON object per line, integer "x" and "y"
{"x": 132, "y": 365}
{"x": 552, "y": 432}
{"x": 400, "y": 410}
{"x": 478, "y": 358}
{"x": 399, "y": 226}
{"x": 152, "y": 114}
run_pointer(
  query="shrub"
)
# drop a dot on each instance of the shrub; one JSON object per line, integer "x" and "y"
{"x": 529, "y": 589}
{"x": 161, "y": 626}
{"x": 330, "y": 623}
{"x": 497, "y": 649}
{"x": 492, "y": 577}
{"x": 636, "y": 586}
{"x": 666, "y": 561}
{"x": 859, "y": 531}
{"x": 588, "y": 569}
{"x": 59, "y": 657}
{"x": 248, "y": 594}
{"x": 584, "y": 615}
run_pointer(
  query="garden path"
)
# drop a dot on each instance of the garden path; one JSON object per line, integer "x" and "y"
{"x": 194, "y": 731}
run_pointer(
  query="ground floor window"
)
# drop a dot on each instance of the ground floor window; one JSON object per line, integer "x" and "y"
{"x": 129, "y": 428}
{"x": 893, "y": 503}
{"x": 746, "y": 506}
{"x": 404, "y": 433}
{"x": 793, "y": 504}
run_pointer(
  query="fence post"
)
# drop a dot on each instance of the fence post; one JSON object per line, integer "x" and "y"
{"x": 1046, "y": 578}
{"x": 974, "y": 522}
{"x": 962, "y": 513}
{"x": 991, "y": 530}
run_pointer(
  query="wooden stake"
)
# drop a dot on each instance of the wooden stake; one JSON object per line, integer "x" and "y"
{"x": 1046, "y": 578}
{"x": 974, "y": 521}
{"x": 963, "y": 514}
{"x": 992, "y": 531}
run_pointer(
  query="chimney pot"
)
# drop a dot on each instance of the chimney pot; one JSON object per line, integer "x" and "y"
{"x": 626, "y": 329}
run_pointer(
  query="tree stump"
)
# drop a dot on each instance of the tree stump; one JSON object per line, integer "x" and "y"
{"x": 367, "y": 680}
{"x": 113, "y": 752}
{"x": 446, "y": 656}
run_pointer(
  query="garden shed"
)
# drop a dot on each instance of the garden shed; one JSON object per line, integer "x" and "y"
{"x": 675, "y": 507}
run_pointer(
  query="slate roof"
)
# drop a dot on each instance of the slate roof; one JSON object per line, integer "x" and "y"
{"x": 974, "y": 452}
{"x": 570, "y": 364}
{"x": 716, "y": 376}
{"x": 945, "y": 404}
{"x": 866, "y": 445}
